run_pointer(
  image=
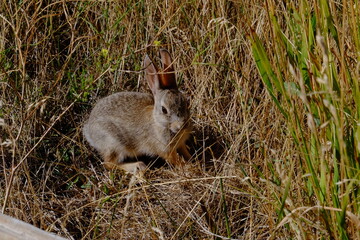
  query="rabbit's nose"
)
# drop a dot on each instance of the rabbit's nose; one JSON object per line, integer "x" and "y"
{"x": 176, "y": 126}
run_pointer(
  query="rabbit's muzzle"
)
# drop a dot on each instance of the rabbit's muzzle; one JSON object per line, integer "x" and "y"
{"x": 176, "y": 126}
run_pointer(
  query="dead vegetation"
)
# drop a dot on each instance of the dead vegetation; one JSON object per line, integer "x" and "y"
{"x": 57, "y": 58}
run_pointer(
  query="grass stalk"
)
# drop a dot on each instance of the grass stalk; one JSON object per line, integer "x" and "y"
{"x": 329, "y": 155}
{"x": 275, "y": 102}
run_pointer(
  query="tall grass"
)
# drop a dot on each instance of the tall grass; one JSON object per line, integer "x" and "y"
{"x": 313, "y": 77}
{"x": 274, "y": 95}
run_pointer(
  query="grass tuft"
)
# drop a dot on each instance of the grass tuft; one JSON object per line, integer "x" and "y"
{"x": 275, "y": 101}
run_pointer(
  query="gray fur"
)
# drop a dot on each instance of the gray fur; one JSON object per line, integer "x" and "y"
{"x": 129, "y": 124}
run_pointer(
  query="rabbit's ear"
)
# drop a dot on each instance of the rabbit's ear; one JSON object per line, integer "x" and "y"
{"x": 167, "y": 76}
{"x": 151, "y": 74}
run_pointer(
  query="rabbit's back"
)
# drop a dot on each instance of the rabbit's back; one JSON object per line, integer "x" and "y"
{"x": 122, "y": 104}
{"x": 119, "y": 119}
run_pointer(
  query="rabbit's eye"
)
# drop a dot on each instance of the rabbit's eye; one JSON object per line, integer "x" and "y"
{"x": 163, "y": 109}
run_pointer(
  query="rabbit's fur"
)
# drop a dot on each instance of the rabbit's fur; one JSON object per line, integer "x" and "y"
{"x": 130, "y": 124}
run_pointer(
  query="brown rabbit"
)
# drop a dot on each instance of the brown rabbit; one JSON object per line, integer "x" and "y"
{"x": 130, "y": 124}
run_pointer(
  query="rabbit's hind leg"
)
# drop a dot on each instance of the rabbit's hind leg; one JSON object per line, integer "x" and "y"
{"x": 114, "y": 160}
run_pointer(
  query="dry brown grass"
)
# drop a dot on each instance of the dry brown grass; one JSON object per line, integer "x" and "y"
{"x": 58, "y": 57}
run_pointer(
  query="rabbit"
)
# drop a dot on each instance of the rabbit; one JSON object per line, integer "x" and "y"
{"x": 130, "y": 124}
